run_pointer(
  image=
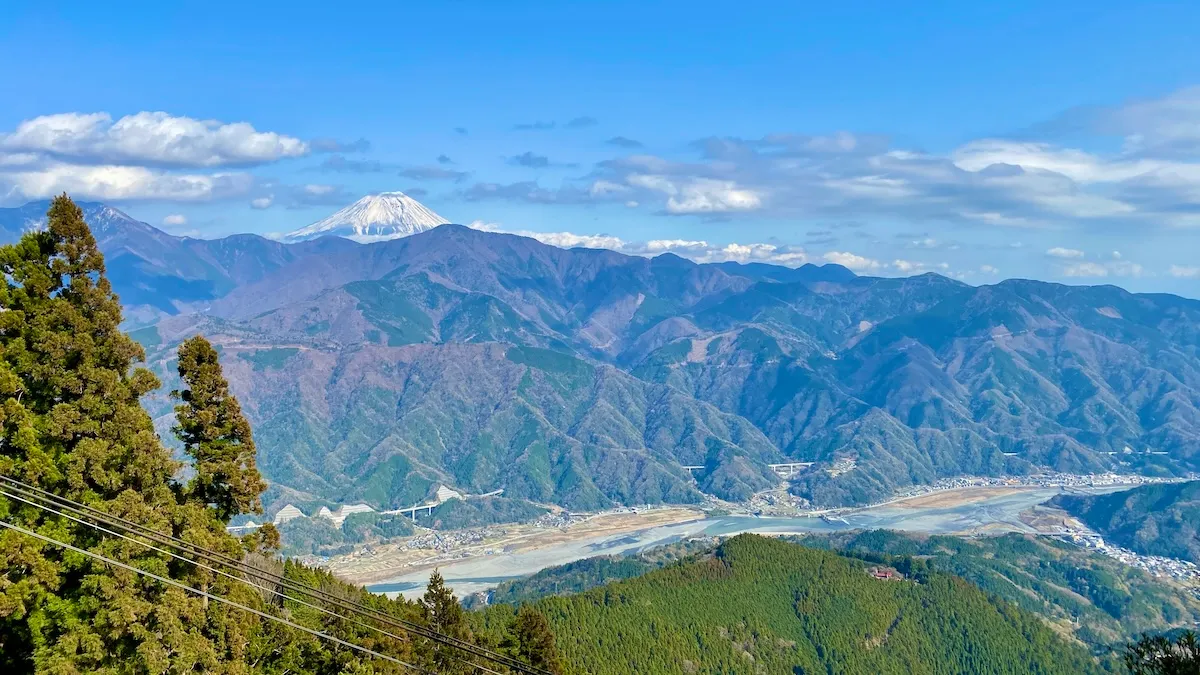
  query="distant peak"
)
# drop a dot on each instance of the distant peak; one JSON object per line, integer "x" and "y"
{"x": 375, "y": 217}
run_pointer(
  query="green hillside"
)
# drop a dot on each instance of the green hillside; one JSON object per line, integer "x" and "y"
{"x": 758, "y": 605}
{"x": 1101, "y": 601}
{"x": 1162, "y": 519}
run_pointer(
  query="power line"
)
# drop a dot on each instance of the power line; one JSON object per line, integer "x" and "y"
{"x": 271, "y": 578}
{"x": 223, "y": 573}
{"x": 219, "y": 558}
{"x": 210, "y": 596}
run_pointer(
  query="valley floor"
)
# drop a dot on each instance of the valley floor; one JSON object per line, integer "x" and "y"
{"x": 524, "y": 550}
{"x": 475, "y": 559}
{"x": 421, "y": 554}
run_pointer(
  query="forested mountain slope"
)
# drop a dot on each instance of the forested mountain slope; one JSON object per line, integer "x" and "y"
{"x": 346, "y": 355}
{"x": 1101, "y": 601}
{"x": 757, "y": 605}
{"x": 112, "y": 560}
{"x": 1162, "y": 519}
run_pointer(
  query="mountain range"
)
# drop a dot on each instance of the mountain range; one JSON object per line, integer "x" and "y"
{"x": 589, "y": 378}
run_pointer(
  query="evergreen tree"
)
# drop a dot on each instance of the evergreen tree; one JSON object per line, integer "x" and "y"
{"x": 442, "y": 612}
{"x": 1159, "y": 655}
{"x": 534, "y": 639}
{"x": 215, "y": 435}
{"x": 71, "y": 423}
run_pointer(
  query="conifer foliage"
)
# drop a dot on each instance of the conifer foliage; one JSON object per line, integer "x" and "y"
{"x": 71, "y": 424}
{"x": 533, "y": 640}
{"x": 215, "y": 435}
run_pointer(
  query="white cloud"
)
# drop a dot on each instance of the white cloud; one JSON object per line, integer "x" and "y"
{"x": 987, "y": 181}
{"x": 699, "y": 195}
{"x": 604, "y": 187}
{"x": 1184, "y": 272}
{"x": 150, "y": 138}
{"x": 1077, "y": 165}
{"x": 571, "y": 240}
{"x": 696, "y": 250}
{"x": 988, "y": 269}
{"x": 1085, "y": 269}
{"x": 559, "y": 239}
{"x": 911, "y": 267}
{"x": 1116, "y": 268}
{"x": 111, "y": 182}
{"x": 1060, "y": 252}
{"x": 852, "y": 261}
{"x": 144, "y": 156}
{"x": 317, "y": 190}
{"x": 1159, "y": 126}
{"x": 768, "y": 253}
{"x": 175, "y": 220}
{"x": 262, "y": 202}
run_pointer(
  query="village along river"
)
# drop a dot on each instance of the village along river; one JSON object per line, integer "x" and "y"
{"x": 996, "y": 513}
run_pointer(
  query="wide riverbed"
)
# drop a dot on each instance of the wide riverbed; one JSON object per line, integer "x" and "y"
{"x": 991, "y": 513}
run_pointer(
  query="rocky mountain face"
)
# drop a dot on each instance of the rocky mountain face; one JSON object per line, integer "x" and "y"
{"x": 587, "y": 378}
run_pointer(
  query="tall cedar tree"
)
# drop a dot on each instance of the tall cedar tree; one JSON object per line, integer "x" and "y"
{"x": 442, "y": 612}
{"x": 71, "y": 423}
{"x": 215, "y": 435}
{"x": 534, "y": 639}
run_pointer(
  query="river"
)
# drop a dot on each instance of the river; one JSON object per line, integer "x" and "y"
{"x": 997, "y": 513}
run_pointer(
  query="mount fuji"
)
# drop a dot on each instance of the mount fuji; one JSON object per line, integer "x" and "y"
{"x": 387, "y": 215}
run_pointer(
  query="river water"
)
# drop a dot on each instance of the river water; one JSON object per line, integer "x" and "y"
{"x": 998, "y": 513}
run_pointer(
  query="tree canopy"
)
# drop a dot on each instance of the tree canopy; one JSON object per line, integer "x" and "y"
{"x": 72, "y": 424}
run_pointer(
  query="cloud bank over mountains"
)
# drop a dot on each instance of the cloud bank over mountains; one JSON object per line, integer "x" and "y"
{"x": 1115, "y": 170}
{"x": 1151, "y": 177}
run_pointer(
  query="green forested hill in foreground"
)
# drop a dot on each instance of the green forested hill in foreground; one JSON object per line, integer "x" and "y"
{"x": 1101, "y": 601}
{"x": 1162, "y": 519}
{"x": 758, "y": 605}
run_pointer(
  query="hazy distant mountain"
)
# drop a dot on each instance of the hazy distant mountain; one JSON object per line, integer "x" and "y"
{"x": 378, "y": 217}
{"x": 380, "y": 370}
{"x": 158, "y": 274}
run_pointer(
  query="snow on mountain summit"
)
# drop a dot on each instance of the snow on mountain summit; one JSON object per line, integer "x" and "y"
{"x": 387, "y": 215}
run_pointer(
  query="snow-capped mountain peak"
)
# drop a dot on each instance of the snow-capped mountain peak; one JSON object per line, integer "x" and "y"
{"x": 387, "y": 215}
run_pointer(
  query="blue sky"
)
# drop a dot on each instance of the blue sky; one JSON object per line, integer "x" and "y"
{"x": 977, "y": 140}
